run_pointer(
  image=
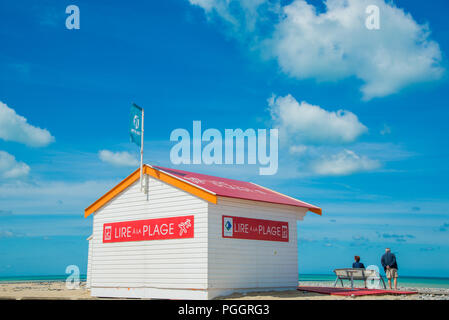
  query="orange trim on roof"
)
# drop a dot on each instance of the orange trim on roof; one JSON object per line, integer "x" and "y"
{"x": 316, "y": 210}
{"x": 125, "y": 183}
{"x": 133, "y": 177}
{"x": 176, "y": 182}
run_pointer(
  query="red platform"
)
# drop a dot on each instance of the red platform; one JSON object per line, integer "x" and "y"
{"x": 351, "y": 292}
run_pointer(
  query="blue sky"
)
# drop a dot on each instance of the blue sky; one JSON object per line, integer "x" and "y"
{"x": 379, "y": 171}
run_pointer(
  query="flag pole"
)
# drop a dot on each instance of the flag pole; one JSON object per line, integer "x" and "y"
{"x": 141, "y": 157}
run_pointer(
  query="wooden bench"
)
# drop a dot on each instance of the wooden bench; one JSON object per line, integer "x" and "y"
{"x": 357, "y": 274}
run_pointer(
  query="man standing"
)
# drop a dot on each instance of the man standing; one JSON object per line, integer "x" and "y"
{"x": 390, "y": 265}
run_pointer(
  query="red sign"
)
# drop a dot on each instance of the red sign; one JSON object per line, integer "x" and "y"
{"x": 151, "y": 229}
{"x": 254, "y": 229}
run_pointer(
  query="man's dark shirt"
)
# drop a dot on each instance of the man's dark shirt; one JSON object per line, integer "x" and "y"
{"x": 358, "y": 265}
{"x": 389, "y": 259}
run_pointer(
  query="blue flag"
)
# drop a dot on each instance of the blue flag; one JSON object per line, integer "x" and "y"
{"x": 135, "y": 124}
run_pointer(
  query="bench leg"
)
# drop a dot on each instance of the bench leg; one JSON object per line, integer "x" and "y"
{"x": 336, "y": 281}
{"x": 352, "y": 283}
{"x": 381, "y": 278}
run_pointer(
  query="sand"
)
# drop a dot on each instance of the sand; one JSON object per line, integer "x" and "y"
{"x": 42, "y": 290}
{"x": 57, "y": 290}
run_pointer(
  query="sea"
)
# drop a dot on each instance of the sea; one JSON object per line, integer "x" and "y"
{"x": 47, "y": 278}
{"x": 304, "y": 279}
{"x": 404, "y": 281}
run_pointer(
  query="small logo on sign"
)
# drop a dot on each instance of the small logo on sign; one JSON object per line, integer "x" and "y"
{"x": 107, "y": 232}
{"x": 284, "y": 232}
{"x": 183, "y": 226}
{"x": 227, "y": 227}
{"x": 136, "y": 122}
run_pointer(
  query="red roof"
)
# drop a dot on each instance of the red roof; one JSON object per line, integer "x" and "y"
{"x": 237, "y": 189}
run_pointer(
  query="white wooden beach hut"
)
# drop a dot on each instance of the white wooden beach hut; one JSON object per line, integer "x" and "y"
{"x": 192, "y": 236}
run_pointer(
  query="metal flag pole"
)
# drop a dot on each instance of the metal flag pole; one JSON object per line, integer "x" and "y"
{"x": 141, "y": 157}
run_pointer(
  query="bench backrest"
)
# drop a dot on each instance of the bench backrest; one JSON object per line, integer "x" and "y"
{"x": 357, "y": 273}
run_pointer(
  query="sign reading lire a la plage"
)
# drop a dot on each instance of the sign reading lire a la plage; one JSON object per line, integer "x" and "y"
{"x": 254, "y": 229}
{"x": 150, "y": 229}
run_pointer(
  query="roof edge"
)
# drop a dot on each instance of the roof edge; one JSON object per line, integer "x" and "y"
{"x": 157, "y": 174}
{"x": 176, "y": 182}
{"x": 122, "y": 185}
{"x": 308, "y": 206}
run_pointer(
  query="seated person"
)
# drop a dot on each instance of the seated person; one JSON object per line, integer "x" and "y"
{"x": 357, "y": 263}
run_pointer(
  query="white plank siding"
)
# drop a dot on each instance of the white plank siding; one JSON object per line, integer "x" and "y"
{"x": 155, "y": 264}
{"x": 246, "y": 264}
{"x": 89, "y": 264}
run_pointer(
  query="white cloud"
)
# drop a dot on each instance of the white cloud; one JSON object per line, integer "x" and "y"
{"x": 241, "y": 15}
{"x": 44, "y": 197}
{"x": 118, "y": 158}
{"x": 205, "y": 4}
{"x": 335, "y": 44}
{"x": 385, "y": 130}
{"x": 14, "y": 127}
{"x": 299, "y": 161}
{"x": 10, "y": 168}
{"x": 343, "y": 163}
{"x": 314, "y": 137}
{"x": 306, "y": 123}
{"x": 300, "y": 149}
{"x": 6, "y": 234}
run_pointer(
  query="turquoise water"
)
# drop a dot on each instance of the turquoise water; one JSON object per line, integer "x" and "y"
{"x": 413, "y": 282}
{"x": 37, "y": 278}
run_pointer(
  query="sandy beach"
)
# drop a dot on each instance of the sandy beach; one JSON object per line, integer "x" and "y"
{"x": 58, "y": 291}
